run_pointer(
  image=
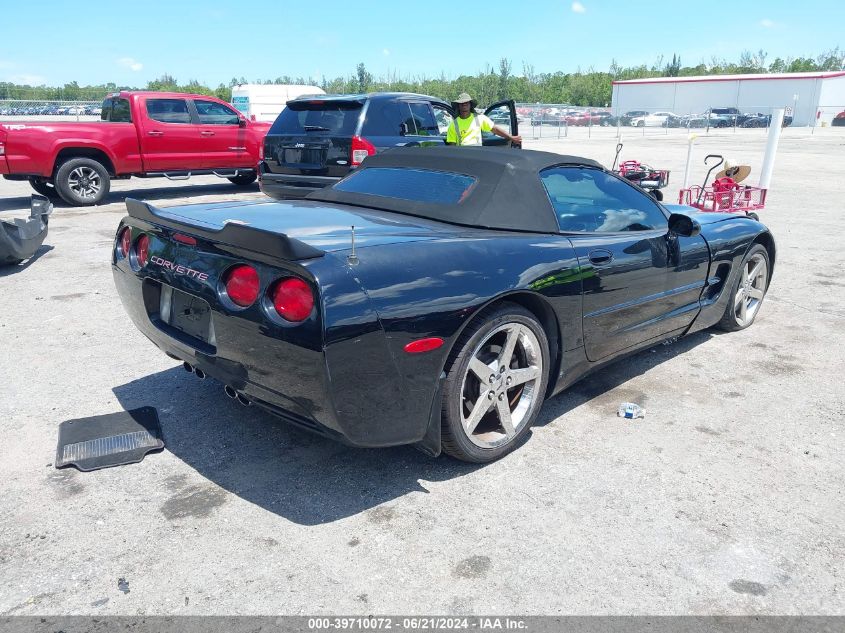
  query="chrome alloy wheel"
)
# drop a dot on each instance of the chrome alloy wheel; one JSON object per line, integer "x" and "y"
{"x": 501, "y": 385}
{"x": 751, "y": 290}
{"x": 84, "y": 182}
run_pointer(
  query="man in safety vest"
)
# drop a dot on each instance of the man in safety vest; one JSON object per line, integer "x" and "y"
{"x": 467, "y": 127}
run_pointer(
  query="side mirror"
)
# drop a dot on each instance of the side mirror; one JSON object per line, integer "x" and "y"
{"x": 403, "y": 129}
{"x": 241, "y": 122}
{"x": 683, "y": 225}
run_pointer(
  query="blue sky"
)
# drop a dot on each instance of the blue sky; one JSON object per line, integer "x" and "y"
{"x": 53, "y": 42}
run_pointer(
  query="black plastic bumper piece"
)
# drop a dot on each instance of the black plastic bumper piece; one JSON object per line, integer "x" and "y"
{"x": 20, "y": 238}
{"x": 291, "y": 186}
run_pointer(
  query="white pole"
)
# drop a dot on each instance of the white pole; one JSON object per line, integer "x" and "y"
{"x": 691, "y": 140}
{"x": 771, "y": 148}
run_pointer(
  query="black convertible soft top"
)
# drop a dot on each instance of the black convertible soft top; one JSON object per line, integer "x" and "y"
{"x": 508, "y": 194}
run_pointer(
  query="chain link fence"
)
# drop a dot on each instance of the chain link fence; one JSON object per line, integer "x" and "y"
{"x": 56, "y": 110}
{"x": 545, "y": 120}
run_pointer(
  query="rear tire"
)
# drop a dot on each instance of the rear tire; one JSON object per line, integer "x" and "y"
{"x": 242, "y": 180}
{"x": 41, "y": 187}
{"x": 82, "y": 182}
{"x": 748, "y": 291}
{"x": 490, "y": 403}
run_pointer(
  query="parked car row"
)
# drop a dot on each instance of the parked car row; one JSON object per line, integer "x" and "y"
{"x": 714, "y": 117}
{"x": 560, "y": 117}
{"x": 50, "y": 109}
{"x": 722, "y": 118}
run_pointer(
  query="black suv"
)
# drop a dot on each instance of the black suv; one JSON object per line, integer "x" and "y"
{"x": 316, "y": 141}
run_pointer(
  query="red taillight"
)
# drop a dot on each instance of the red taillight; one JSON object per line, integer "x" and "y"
{"x": 261, "y": 150}
{"x": 424, "y": 345}
{"x": 185, "y": 239}
{"x": 125, "y": 242}
{"x": 361, "y": 148}
{"x": 292, "y": 299}
{"x": 142, "y": 250}
{"x": 242, "y": 285}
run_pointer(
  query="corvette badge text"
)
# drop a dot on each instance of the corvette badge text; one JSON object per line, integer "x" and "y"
{"x": 178, "y": 268}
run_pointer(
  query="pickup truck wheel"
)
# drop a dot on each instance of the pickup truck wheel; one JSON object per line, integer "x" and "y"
{"x": 43, "y": 188}
{"x": 243, "y": 180}
{"x": 82, "y": 181}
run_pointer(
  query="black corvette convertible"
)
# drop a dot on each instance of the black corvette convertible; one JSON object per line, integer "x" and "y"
{"x": 435, "y": 296}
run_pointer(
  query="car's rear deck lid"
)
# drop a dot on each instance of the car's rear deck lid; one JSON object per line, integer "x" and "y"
{"x": 232, "y": 231}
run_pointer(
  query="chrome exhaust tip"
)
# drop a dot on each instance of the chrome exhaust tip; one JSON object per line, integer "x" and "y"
{"x": 187, "y": 367}
{"x": 200, "y": 373}
{"x": 230, "y": 391}
{"x": 244, "y": 400}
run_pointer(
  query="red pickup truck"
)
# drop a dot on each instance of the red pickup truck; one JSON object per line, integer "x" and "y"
{"x": 141, "y": 134}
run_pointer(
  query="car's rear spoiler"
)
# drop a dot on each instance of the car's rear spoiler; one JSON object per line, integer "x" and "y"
{"x": 249, "y": 238}
{"x": 337, "y": 100}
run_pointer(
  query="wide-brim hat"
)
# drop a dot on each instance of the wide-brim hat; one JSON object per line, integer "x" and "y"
{"x": 737, "y": 173}
{"x": 464, "y": 98}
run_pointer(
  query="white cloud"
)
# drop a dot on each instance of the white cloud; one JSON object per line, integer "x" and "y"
{"x": 28, "y": 80}
{"x": 767, "y": 23}
{"x": 386, "y": 52}
{"x": 130, "y": 63}
{"x": 577, "y": 7}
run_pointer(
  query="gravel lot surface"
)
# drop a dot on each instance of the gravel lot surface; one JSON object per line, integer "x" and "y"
{"x": 726, "y": 499}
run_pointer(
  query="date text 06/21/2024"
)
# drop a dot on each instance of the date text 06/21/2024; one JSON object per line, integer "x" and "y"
{"x": 416, "y": 623}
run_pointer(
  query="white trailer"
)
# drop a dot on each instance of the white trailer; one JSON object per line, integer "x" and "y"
{"x": 264, "y": 102}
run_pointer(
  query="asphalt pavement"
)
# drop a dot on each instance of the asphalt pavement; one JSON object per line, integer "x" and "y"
{"x": 727, "y": 498}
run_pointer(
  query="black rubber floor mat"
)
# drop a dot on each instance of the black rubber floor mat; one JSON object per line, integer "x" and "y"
{"x": 109, "y": 440}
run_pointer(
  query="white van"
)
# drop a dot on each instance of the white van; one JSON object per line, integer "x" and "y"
{"x": 264, "y": 102}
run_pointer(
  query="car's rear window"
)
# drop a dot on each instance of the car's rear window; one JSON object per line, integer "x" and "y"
{"x": 416, "y": 185}
{"x": 321, "y": 118}
{"x": 116, "y": 110}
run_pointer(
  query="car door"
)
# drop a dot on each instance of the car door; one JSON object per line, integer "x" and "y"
{"x": 223, "y": 137}
{"x": 422, "y": 128}
{"x": 443, "y": 115}
{"x": 502, "y": 114}
{"x": 169, "y": 136}
{"x": 644, "y": 283}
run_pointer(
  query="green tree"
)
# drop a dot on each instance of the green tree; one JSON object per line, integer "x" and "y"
{"x": 504, "y": 76}
{"x": 165, "y": 83}
{"x": 834, "y": 59}
{"x": 777, "y": 66}
{"x": 802, "y": 65}
{"x": 364, "y": 79}
{"x": 672, "y": 68}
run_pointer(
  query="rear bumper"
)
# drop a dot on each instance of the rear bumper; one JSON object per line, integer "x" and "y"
{"x": 286, "y": 377}
{"x": 287, "y": 186}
